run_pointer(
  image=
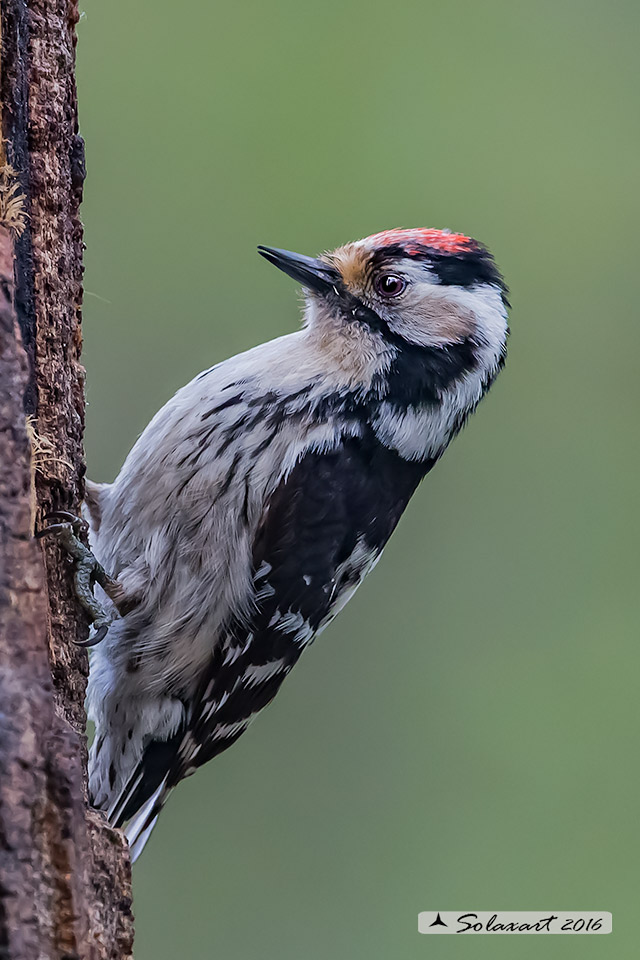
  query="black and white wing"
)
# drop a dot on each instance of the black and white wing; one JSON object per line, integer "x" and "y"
{"x": 323, "y": 530}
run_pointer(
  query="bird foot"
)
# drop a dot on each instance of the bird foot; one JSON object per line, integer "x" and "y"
{"x": 88, "y": 571}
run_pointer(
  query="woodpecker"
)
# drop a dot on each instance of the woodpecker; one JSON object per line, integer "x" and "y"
{"x": 259, "y": 497}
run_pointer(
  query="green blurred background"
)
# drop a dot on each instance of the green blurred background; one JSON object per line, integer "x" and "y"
{"x": 466, "y": 735}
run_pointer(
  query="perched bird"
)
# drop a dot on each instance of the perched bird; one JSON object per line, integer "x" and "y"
{"x": 259, "y": 497}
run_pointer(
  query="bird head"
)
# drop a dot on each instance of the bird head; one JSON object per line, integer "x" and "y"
{"x": 424, "y": 287}
{"x": 416, "y": 318}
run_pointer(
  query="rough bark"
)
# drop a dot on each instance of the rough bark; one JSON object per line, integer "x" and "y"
{"x": 64, "y": 873}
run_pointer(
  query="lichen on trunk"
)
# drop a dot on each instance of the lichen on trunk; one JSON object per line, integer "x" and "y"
{"x": 65, "y": 888}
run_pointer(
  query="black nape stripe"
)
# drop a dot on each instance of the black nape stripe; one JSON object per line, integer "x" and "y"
{"x": 467, "y": 269}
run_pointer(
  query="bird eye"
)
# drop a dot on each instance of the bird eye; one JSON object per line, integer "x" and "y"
{"x": 389, "y": 285}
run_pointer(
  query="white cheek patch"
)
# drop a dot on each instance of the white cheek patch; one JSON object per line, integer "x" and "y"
{"x": 431, "y": 314}
{"x": 420, "y": 433}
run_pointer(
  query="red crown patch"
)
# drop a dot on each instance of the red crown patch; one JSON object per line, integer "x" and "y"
{"x": 413, "y": 240}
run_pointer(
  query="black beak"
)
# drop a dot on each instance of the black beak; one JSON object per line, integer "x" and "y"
{"x": 314, "y": 274}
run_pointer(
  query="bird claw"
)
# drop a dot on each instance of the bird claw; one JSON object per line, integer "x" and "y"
{"x": 78, "y": 524}
{"x": 87, "y": 570}
{"x": 93, "y": 639}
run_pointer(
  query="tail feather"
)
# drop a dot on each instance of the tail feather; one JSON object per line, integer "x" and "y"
{"x": 138, "y": 802}
{"x": 149, "y": 775}
{"x": 116, "y": 813}
{"x": 142, "y": 823}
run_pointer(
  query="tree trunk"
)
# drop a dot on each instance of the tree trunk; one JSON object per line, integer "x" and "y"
{"x": 64, "y": 872}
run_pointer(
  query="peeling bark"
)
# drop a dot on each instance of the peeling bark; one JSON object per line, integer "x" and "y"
{"x": 64, "y": 872}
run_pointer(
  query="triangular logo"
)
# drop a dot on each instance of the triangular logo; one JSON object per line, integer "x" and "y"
{"x": 438, "y": 922}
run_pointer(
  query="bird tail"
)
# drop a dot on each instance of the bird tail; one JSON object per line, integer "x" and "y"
{"x": 142, "y": 823}
{"x": 129, "y": 770}
{"x": 139, "y": 802}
